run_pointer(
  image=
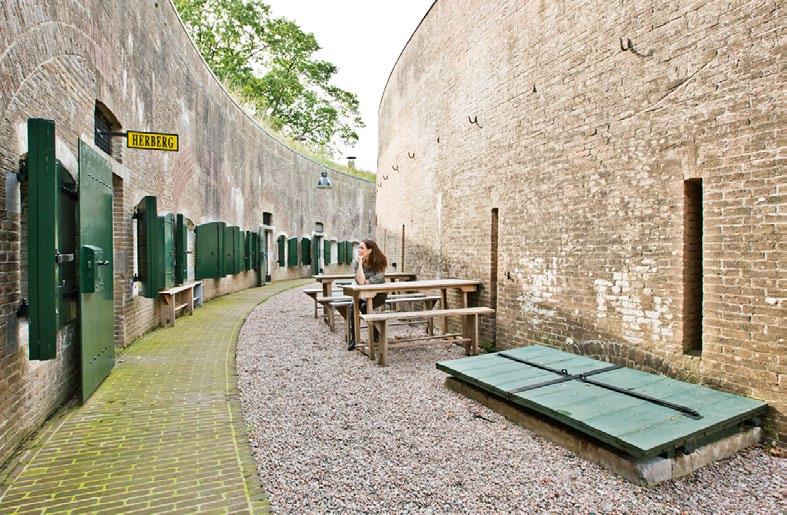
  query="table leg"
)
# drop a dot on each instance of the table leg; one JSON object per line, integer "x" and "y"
{"x": 430, "y": 325}
{"x": 474, "y": 334}
{"x": 327, "y": 291}
{"x": 466, "y": 321}
{"x": 356, "y": 314}
{"x": 370, "y": 328}
{"x": 444, "y": 305}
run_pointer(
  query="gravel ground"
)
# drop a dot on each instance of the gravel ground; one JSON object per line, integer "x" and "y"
{"x": 333, "y": 432}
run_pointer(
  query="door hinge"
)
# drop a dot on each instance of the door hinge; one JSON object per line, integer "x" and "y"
{"x": 21, "y": 175}
{"x": 23, "y": 310}
{"x": 71, "y": 191}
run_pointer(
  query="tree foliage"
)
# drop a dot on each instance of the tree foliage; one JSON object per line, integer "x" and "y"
{"x": 272, "y": 62}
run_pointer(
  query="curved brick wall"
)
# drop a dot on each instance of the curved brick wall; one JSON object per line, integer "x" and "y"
{"x": 57, "y": 59}
{"x": 584, "y": 148}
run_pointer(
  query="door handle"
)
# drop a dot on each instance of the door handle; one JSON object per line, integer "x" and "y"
{"x": 102, "y": 263}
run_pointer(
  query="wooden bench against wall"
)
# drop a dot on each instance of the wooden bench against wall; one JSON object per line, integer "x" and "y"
{"x": 469, "y": 325}
{"x": 185, "y": 296}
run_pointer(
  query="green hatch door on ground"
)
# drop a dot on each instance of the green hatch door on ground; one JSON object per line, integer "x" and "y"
{"x": 642, "y": 414}
{"x": 96, "y": 304}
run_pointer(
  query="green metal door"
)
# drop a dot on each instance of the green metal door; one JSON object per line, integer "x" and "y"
{"x": 96, "y": 299}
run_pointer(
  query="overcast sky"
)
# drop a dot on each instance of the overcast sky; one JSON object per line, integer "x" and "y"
{"x": 363, "y": 38}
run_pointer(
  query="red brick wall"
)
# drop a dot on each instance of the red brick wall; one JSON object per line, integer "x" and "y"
{"x": 57, "y": 60}
{"x": 584, "y": 148}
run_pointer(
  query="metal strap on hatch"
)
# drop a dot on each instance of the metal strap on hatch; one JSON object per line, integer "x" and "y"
{"x": 584, "y": 378}
{"x": 563, "y": 379}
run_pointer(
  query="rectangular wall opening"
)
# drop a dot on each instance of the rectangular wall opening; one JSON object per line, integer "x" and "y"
{"x": 493, "y": 272}
{"x": 692, "y": 267}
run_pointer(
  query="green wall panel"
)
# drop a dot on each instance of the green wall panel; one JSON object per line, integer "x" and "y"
{"x": 292, "y": 252}
{"x": 281, "y": 244}
{"x": 209, "y": 248}
{"x": 306, "y": 251}
{"x": 43, "y": 201}
{"x": 181, "y": 250}
{"x": 165, "y": 252}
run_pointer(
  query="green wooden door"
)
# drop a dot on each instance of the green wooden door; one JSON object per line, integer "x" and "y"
{"x": 96, "y": 299}
{"x": 181, "y": 252}
{"x": 167, "y": 255}
{"x": 263, "y": 257}
{"x": 316, "y": 254}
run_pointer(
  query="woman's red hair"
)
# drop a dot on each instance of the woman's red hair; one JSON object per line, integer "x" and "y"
{"x": 375, "y": 260}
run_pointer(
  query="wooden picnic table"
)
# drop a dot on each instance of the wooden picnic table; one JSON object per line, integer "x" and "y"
{"x": 368, "y": 291}
{"x": 327, "y": 280}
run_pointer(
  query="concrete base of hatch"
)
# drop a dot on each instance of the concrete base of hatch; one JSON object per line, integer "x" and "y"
{"x": 646, "y": 472}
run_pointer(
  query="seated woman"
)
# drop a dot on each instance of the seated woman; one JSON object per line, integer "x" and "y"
{"x": 372, "y": 272}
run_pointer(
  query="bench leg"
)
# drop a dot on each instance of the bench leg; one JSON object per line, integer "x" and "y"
{"x": 163, "y": 312}
{"x": 347, "y": 315}
{"x": 331, "y": 319}
{"x": 315, "y": 307}
{"x": 190, "y": 296}
{"x": 370, "y": 329}
{"x": 466, "y": 334}
{"x": 383, "y": 327}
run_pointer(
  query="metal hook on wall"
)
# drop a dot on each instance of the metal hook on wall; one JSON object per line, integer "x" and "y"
{"x": 411, "y": 156}
{"x": 474, "y": 120}
{"x": 385, "y": 177}
{"x": 395, "y": 168}
{"x": 628, "y": 45}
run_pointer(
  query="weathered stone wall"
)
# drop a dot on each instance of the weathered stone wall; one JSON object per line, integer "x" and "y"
{"x": 58, "y": 59}
{"x": 590, "y": 116}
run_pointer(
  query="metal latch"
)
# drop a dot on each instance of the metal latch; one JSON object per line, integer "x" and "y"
{"x": 63, "y": 258}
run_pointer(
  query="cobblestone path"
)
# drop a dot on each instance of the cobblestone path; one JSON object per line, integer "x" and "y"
{"x": 162, "y": 433}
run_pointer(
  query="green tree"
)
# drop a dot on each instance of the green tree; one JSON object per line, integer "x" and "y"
{"x": 272, "y": 62}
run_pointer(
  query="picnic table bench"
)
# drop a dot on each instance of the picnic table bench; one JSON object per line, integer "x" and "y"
{"x": 368, "y": 291}
{"x": 314, "y": 293}
{"x": 184, "y": 296}
{"x": 341, "y": 302}
{"x": 469, "y": 334}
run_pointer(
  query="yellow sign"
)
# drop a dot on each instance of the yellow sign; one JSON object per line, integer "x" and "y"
{"x": 152, "y": 141}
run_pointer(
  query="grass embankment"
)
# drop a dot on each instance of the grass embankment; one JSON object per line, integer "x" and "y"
{"x": 297, "y": 146}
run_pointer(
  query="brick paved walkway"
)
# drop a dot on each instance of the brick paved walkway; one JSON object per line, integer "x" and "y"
{"x": 162, "y": 433}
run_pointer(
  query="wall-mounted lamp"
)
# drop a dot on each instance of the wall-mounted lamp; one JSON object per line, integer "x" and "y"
{"x": 324, "y": 183}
